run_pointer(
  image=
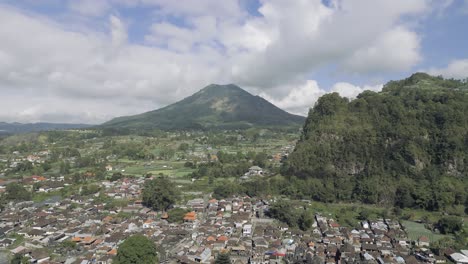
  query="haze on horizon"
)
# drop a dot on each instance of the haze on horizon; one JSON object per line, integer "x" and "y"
{"x": 87, "y": 61}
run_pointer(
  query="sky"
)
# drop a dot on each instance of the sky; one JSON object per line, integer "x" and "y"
{"x": 87, "y": 61}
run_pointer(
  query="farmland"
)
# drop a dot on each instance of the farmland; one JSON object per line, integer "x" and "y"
{"x": 416, "y": 230}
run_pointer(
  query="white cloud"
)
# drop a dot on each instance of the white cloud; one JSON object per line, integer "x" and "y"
{"x": 300, "y": 98}
{"x": 107, "y": 73}
{"x": 69, "y": 66}
{"x": 305, "y": 35}
{"x": 457, "y": 69}
{"x": 181, "y": 38}
{"x": 118, "y": 32}
{"x": 394, "y": 50}
{"x": 352, "y": 91}
{"x": 48, "y": 108}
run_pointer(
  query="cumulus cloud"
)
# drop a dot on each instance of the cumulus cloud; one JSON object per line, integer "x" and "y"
{"x": 394, "y": 50}
{"x": 302, "y": 97}
{"x": 70, "y": 65}
{"x": 50, "y": 108}
{"x": 457, "y": 69}
{"x": 352, "y": 91}
{"x": 303, "y": 42}
{"x": 191, "y": 44}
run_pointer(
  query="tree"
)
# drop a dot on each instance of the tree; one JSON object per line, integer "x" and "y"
{"x": 89, "y": 189}
{"x": 116, "y": 176}
{"x": 64, "y": 167}
{"x": 260, "y": 159}
{"x": 189, "y": 164}
{"x": 46, "y": 166}
{"x": 283, "y": 211}
{"x": 223, "y": 258}
{"x": 137, "y": 249}
{"x": 363, "y": 214}
{"x": 160, "y": 194}
{"x": 225, "y": 189}
{"x": 450, "y": 224}
{"x": 19, "y": 259}
{"x": 183, "y": 147}
{"x": 176, "y": 215}
{"x": 167, "y": 153}
{"x": 305, "y": 221}
{"x": 17, "y": 192}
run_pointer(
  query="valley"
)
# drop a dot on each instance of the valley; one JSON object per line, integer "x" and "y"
{"x": 262, "y": 194}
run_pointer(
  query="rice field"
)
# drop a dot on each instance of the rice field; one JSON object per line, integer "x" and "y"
{"x": 416, "y": 230}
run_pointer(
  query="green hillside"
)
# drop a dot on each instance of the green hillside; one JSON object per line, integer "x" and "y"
{"x": 405, "y": 146}
{"x": 215, "y": 106}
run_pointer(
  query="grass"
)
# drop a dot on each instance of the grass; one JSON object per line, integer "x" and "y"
{"x": 172, "y": 169}
{"x": 416, "y": 230}
{"x": 419, "y": 214}
{"x": 42, "y": 196}
{"x": 19, "y": 239}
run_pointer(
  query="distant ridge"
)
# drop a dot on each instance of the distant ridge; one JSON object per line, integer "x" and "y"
{"x": 213, "y": 107}
{"x": 14, "y": 128}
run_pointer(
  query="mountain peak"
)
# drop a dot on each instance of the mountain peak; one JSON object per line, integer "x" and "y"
{"x": 222, "y": 87}
{"x": 224, "y": 106}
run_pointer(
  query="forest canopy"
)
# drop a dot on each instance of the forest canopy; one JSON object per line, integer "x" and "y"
{"x": 406, "y": 145}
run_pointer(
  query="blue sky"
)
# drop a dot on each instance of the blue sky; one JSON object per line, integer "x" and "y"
{"x": 91, "y": 60}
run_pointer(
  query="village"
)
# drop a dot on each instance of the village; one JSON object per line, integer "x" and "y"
{"x": 83, "y": 230}
{"x": 77, "y": 214}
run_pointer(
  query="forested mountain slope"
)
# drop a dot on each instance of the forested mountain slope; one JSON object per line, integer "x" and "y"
{"x": 215, "y": 106}
{"x": 406, "y": 145}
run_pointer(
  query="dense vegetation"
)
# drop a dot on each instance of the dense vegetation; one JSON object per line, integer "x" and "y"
{"x": 405, "y": 146}
{"x": 286, "y": 213}
{"x": 159, "y": 193}
{"x": 137, "y": 249}
{"x": 215, "y": 106}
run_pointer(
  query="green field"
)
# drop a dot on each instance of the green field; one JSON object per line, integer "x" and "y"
{"x": 416, "y": 230}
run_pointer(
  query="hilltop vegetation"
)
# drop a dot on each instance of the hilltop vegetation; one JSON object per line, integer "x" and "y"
{"x": 405, "y": 146}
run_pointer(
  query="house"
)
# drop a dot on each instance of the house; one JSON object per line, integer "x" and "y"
{"x": 423, "y": 241}
{"x": 247, "y": 230}
{"x": 148, "y": 224}
{"x": 37, "y": 178}
{"x": 33, "y": 158}
{"x": 255, "y": 170}
{"x": 459, "y": 258}
{"x": 190, "y": 217}
{"x": 6, "y": 242}
{"x": 204, "y": 256}
{"x": 213, "y": 158}
{"x": 19, "y": 249}
{"x": 109, "y": 167}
